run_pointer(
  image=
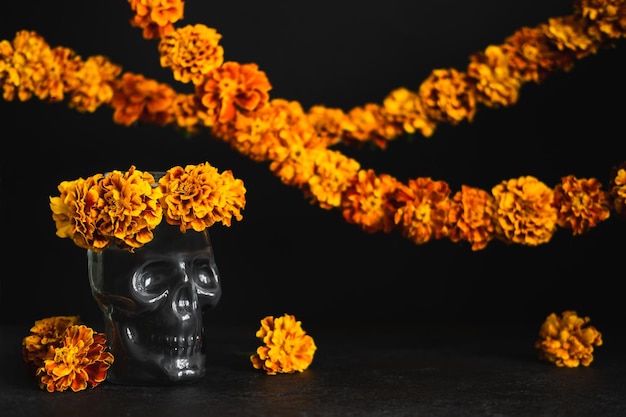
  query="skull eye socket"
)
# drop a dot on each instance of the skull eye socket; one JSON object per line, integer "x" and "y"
{"x": 151, "y": 282}
{"x": 205, "y": 275}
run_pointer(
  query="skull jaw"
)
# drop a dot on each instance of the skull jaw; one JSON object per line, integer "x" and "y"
{"x": 155, "y": 359}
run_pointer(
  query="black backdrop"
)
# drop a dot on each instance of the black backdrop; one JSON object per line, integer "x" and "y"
{"x": 287, "y": 255}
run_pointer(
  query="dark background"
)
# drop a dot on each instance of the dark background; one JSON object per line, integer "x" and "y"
{"x": 288, "y": 256}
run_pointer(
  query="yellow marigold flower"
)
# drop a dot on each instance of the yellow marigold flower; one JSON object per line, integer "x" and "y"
{"x": 293, "y": 164}
{"x": 91, "y": 83}
{"x": 447, "y": 96}
{"x": 156, "y": 17}
{"x": 45, "y": 335}
{"x": 138, "y": 98}
{"x": 404, "y": 107}
{"x": 332, "y": 174}
{"x": 472, "y": 217}
{"x": 262, "y": 135}
{"x": 423, "y": 209}
{"x": 607, "y": 17}
{"x": 197, "y": 196}
{"x": 80, "y": 361}
{"x": 233, "y": 88}
{"x": 532, "y": 57}
{"x": 568, "y": 340}
{"x": 327, "y": 123}
{"x": 367, "y": 123}
{"x": 30, "y": 68}
{"x": 582, "y": 203}
{"x": 495, "y": 84}
{"x": 185, "y": 113}
{"x": 129, "y": 207}
{"x": 366, "y": 201}
{"x": 287, "y": 348}
{"x": 525, "y": 211}
{"x": 191, "y": 52}
{"x": 569, "y": 34}
{"x": 617, "y": 190}
{"x": 75, "y": 212}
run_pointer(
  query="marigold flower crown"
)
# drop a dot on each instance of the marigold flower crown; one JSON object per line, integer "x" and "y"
{"x": 123, "y": 208}
{"x": 232, "y": 100}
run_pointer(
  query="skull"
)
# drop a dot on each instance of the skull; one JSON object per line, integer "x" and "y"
{"x": 153, "y": 302}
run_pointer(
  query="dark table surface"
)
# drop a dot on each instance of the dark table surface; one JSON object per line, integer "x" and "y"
{"x": 399, "y": 370}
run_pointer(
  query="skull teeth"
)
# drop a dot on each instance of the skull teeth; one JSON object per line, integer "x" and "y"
{"x": 175, "y": 345}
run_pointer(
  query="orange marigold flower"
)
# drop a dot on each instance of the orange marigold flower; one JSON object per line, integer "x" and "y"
{"x": 525, "y": 211}
{"x": 365, "y": 201}
{"x": 91, "y": 83}
{"x": 45, "y": 335}
{"x": 287, "y": 348}
{"x": 185, "y": 112}
{"x": 28, "y": 67}
{"x": 80, "y": 361}
{"x": 532, "y": 57}
{"x": 327, "y": 123}
{"x": 262, "y": 134}
{"x": 293, "y": 164}
{"x": 447, "y": 96}
{"x": 128, "y": 207}
{"x": 138, "y": 98}
{"x": 617, "y": 190}
{"x": 495, "y": 84}
{"x": 568, "y": 340}
{"x": 472, "y": 217}
{"x": 423, "y": 209}
{"x": 367, "y": 123}
{"x": 233, "y": 88}
{"x": 569, "y": 34}
{"x": 607, "y": 17}
{"x": 332, "y": 174}
{"x": 582, "y": 203}
{"x": 197, "y": 196}
{"x": 404, "y": 107}
{"x": 156, "y": 17}
{"x": 191, "y": 52}
{"x": 75, "y": 212}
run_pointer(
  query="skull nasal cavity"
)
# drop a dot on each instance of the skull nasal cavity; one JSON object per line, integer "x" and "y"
{"x": 185, "y": 300}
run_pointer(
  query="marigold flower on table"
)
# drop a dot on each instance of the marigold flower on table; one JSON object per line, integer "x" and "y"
{"x": 64, "y": 353}
{"x": 45, "y": 335}
{"x": 80, "y": 362}
{"x": 567, "y": 340}
{"x": 286, "y": 346}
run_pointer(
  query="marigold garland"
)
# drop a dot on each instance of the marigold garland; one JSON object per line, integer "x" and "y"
{"x": 567, "y": 340}
{"x": 232, "y": 100}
